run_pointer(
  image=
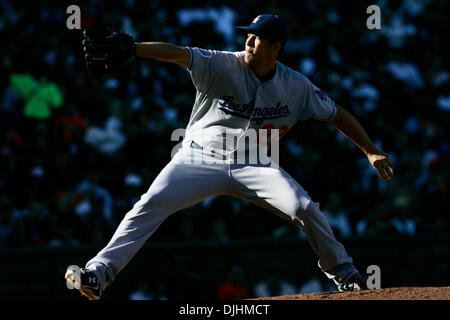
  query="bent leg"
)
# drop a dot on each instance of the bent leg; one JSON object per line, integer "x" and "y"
{"x": 274, "y": 189}
{"x": 179, "y": 185}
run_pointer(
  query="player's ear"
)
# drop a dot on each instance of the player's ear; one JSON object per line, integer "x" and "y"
{"x": 276, "y": 45}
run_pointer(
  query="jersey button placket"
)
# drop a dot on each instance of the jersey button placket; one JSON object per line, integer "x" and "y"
{"x": 258, "y": 100}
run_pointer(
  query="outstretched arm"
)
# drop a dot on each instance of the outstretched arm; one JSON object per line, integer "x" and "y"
{"x": 351, "y": 128}
{"x": 162, "y": 51}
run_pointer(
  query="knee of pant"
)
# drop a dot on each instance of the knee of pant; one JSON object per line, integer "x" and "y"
{"x": 148, "y": 202}
{"x": 294, "y": 207}
{"x": 148, "y": 210}
{"x": 297, "y": 205}
{"x": 305, "y": 209}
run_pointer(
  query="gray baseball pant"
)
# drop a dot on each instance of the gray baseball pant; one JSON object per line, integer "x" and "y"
{"x": 192, "y": 176}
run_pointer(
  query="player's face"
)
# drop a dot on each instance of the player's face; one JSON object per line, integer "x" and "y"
{"x": 258, "y": 50}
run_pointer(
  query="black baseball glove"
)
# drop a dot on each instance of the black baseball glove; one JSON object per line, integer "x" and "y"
{"x": 106, "y": 50}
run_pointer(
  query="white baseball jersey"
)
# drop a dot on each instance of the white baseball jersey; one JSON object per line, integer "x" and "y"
{"x": 231, "y": 99}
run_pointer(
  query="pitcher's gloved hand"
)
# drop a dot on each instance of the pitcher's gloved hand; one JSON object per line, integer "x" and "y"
{"x": 106, "y": 50}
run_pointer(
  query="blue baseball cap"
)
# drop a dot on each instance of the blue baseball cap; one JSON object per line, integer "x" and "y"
{"x": 268, "y": 26}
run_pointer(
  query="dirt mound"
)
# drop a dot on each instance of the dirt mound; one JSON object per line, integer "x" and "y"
{"x": 402, "y": 293}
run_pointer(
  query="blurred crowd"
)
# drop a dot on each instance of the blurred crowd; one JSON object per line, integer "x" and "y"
{"x": 76, "y": 153}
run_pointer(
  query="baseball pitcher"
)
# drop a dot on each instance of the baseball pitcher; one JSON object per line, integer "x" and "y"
{"x": 236, "y": 93}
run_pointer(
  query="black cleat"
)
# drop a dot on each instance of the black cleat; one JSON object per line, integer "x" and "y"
{"x": 357, "y": 282}
{"x": 84, "y": 281}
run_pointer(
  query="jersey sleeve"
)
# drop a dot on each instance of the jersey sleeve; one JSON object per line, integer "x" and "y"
{"x": 206, "y": 66}
{"x": 316, "y": 103}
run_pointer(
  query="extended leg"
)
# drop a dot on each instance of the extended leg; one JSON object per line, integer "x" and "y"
{"x": 274, "y": 189}
{"x": 179, "y": 185}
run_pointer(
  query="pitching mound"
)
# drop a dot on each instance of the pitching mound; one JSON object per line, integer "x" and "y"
{"x": 406, "y": 293}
